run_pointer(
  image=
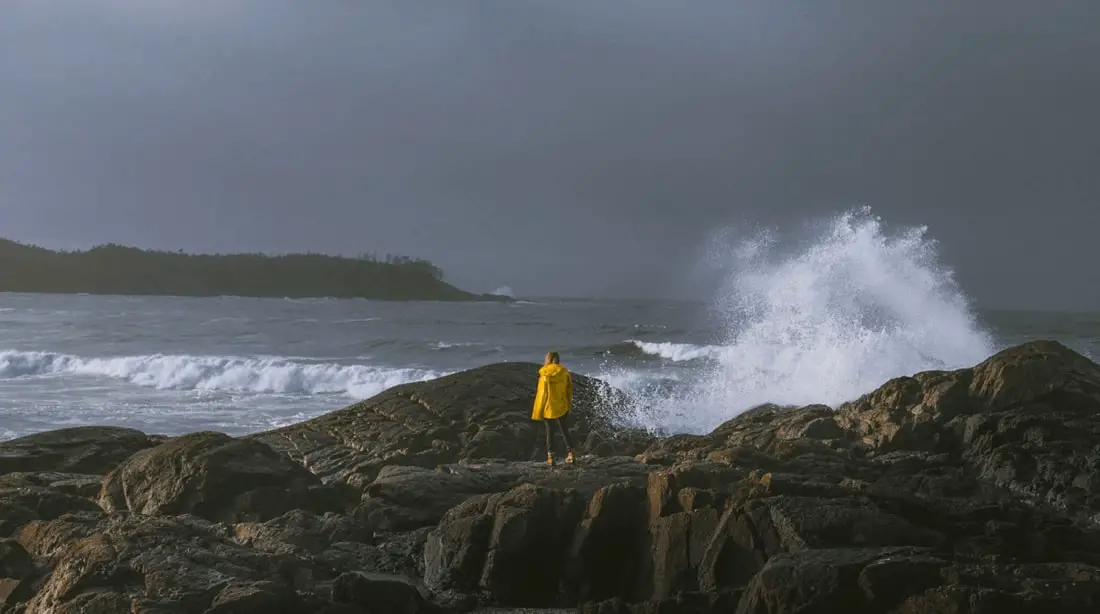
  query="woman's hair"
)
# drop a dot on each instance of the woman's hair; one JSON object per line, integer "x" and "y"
{"x": 554, "y": 358}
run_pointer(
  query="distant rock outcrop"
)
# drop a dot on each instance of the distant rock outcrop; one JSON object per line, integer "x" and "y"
{"x": 971, "y": 491}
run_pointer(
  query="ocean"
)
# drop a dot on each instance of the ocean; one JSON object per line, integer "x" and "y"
{"x": 820, "y": 324}
{"x": 238, "y": 365}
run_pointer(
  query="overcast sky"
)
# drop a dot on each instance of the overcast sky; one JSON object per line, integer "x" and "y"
{"x": 560, "y": 147}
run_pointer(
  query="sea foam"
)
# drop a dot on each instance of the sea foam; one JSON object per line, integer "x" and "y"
{"x": 821, "y": 322}
{"x": 678, "y": 352}
{"x": 274, "y": 375}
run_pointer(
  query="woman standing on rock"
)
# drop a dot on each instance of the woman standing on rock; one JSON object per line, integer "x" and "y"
{"x": 553, "y": 401}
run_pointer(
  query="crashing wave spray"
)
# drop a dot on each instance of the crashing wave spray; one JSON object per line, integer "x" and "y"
{"x": 827, "y": 323}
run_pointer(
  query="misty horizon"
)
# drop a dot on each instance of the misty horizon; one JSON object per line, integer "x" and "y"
{"x": 563, "y": 149}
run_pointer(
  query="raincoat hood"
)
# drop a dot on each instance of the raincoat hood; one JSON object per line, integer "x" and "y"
{"x": 553, "y": 371}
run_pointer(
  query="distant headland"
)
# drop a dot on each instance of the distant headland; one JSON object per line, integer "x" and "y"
{"x": 118, "y": 269}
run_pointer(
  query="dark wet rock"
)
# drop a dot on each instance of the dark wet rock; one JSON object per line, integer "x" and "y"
{"x": 46, "y": 503}
{"x": 733, "y": 554}
{"x": 380, "y": 594}
{"x": 14, "y": 560}
{"x": 86, "y": 449}
{"x": 382, "y": 515}
{"x": 76, "y": 484}
{"x": 400, "y": 554}
{"x": 890, "y": 579}
{"x": 257, "y": 598}
{"x": 337, "y": 543}
{"x": 216, "y": 477}
{"x": 299, "y": 530}
{"x": 13, "y": 517}
{"x": 681, "y": 487}
{"x": 44, "y": 539}
{"x": 782, "y": 432}
{"x": 794, "y": 524}
{"x": 18, "y": 506}
{"x": 454, "y": 555}
{"x": 323, "y": 454}
{"x": 678, "y": 544}
{"x": 482, "y": 413}
{"x": 404, "y": 498}
{"x": 183, "y": 562}
{"x": 812, "y": 581}
{"x": 513, "y": 544}
{"x": 1026, "y": 420}
{"x": 609, "y": 546}
{"x": 431, "y": 492}
{"x": 996, "y": 589}
{"x": 17, "y": 574}
{"x": 722, "y": 602}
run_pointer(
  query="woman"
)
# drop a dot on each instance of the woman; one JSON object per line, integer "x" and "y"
{"x": 553, "y": 401}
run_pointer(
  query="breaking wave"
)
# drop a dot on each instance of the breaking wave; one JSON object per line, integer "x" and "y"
{"x": 275, "y": 375}
{"x": 679, "y": 352}
{"x": 821, "y": 322}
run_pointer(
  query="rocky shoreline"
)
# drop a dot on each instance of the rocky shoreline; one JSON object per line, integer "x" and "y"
{"x": 974, "y": 491}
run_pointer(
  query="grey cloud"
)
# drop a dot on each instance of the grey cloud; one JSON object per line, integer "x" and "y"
{"x": 558, "y": 147}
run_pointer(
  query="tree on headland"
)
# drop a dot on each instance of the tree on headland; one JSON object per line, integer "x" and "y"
{"x": 119, "y": 269}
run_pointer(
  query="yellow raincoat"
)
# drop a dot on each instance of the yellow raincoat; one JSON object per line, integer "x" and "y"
{"x": 554, "y": 398}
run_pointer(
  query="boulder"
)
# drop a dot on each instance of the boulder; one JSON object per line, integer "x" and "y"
{"x": 513, "y": 544}
{"x": 183, "y": 564}
{"x": 403, "y": 497}
{"x": 609, "y": 549}
{"x": 380, "y": 594}
{"x": 82, "y": 485}
{"x": 483, "y": 413}
{"x": 85, "y": 449}
{"x": 813, "y": 581}
{"x": 257, "y": 598}
{"x": 1027, "y": 419}
{"x": 299, "y": 531}
{"x": 986, "y": 588}
{"x": 397, "y": 554}
{"x": 216, "y": 477}
{"x": 19, "y": 506}
{"x": 795, "y": 524}
{"x": 17, "y": 573}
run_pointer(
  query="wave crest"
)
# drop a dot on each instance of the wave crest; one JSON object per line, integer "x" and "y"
{"x": 679, "y": 352}
{"x": 217, "y": 373}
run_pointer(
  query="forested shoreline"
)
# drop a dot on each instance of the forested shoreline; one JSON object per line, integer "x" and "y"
{"x": 119, "y": 269}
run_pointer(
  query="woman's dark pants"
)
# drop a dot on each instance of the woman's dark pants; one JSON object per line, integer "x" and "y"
{"x": 564, "y": 428}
